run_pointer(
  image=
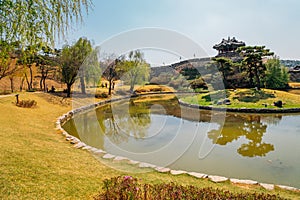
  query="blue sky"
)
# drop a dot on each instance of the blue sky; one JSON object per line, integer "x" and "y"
{"x": 273, "y": 23}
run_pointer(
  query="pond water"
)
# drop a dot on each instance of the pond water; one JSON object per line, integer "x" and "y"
{"x": 157, "y": 130}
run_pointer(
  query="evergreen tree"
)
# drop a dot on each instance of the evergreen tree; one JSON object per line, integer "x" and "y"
{"x": 225, "y": 66}
{"x": 277, "y": 76}
{"x": 253, "y": 64}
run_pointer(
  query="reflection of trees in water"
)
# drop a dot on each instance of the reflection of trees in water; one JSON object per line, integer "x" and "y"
{"x": 274, "y": 119}
{"x": 82, "y": 128}
{"x": 251, "y": 127}
{"x": 121, "y": 121}
{"x": 108, "y": 124}
{"x": 139, "y": 115}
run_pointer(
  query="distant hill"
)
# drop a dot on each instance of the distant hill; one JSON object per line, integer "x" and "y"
{"x": 195, "y": 63}
{"x": 290, "y": 63}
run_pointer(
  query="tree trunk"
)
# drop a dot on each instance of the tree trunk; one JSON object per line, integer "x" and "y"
{"x": 11, "y": 84}
{"x": 224, "y": 80}
{"x": 109, "y": 87}
{"x": 82, "y": 85}
{"x": 258, "y": 81}
{"x": 132, "y": 82}
{"x": 27, "y": 81}
{"x": 131, "y": 88}
{"x": 44, "y": 84}
{"x": 31, "y": 77}
{"x": 41, "y": 83}
{"x": 21, "y": 85}
{"x": 69, "y": 90}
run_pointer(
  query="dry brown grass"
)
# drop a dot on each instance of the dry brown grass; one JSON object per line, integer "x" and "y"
{"x": 294, "y": 85}
{"x": 154, "y": 88}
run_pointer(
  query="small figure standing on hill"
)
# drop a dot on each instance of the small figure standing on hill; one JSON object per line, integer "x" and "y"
{"x": 52, "y": 89}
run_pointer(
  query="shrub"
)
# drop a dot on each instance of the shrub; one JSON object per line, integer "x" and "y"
{"x": 101, "y": 95}
{"x": 198, "y": 83}
{"x": 156, "y": 89}
{"x": 26, "y": 103}
{"x": 128, "y": 187}
{"x": 31, "y": 90}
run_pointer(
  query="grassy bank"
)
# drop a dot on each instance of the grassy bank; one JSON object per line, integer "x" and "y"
{"x": 38, "y": 163}
{"x": 246, "y": 98}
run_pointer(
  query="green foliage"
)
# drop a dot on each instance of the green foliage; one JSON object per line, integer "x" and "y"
{"x": 190, "y": 73}
{"x": 253, "y": 65}
{"x": 34, "y": 21}
{"x": 8, "y": 53}
{"x": 277, "y": 76}
{"x": 135, "y": 70}
{"x": 225, "y": 66}
{"x": 128, "y": 187}
{"x": 72, "y": 60}
{"x": 198, "y": 83}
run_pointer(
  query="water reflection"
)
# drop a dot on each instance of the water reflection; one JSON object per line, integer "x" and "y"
{"x": 133, "y": 119}
{"x": 118, "y": 122}
{"x": 249, "y": 126}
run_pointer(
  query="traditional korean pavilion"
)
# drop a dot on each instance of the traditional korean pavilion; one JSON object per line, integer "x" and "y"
{"x": 227, "y": 48}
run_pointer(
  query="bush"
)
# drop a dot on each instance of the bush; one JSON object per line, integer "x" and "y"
{"x": 26, "y": 103}
{"x": 128, "y": 187}
{"x": 198, "y": 83}
{"x": 101, "y": 95}
{"x": 31, "y": 90}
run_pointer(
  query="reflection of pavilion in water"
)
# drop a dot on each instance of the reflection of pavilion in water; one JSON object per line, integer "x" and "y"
{"x": 249, "y": 125}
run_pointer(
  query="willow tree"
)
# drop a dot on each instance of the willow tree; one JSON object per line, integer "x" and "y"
{"x": 8, "y": 57}
{"x": 135, "y": 70}
{"x": 32, "y": 22}
{"x": 76, "y": 61}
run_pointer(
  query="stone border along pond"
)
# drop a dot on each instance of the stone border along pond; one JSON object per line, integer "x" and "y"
{"x": 80, "y": 145}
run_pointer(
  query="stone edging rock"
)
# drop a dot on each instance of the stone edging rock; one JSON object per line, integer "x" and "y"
{"x": 242, "y": 110}
{"x": 81, "y": 145}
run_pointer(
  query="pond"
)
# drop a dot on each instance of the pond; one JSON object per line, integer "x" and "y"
{"x": 158, "y": 130}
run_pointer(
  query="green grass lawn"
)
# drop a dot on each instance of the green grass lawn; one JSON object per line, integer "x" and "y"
{"x": 38, "y": 163}
{"x": 246, "y": 98}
